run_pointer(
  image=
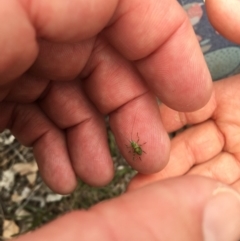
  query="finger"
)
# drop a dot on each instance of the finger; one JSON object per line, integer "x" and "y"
{"x": 224, "y": 167}
{"x": 137, "y": 124}
{"x": 61, "y": 61}
{"x": 138, "y": 214}
{"x": 67, "y": 106}
{"x": 216, "y": 108}
{"x": 236, "y": 185}
{"x": 219, "y": 108}
{"x": 224, "y": 16}
{"x": 158, "y": 36}
{"x": 59, "y": 21}
{"x": 26, "y": 89}
{"x": 33, "y": 128}
{"x": 52, "y": 20}
{"x": 115, "y": 79}
{"x": 133, "y": 110}
{"x": 187, "y": 151}
{"x": 5, "y": 89}
{"x": 17, "y": 41}
{"x": 59, "y": 24}
{"x": 174, "y": 120}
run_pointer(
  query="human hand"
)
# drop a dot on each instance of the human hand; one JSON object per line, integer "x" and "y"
{"x": 109, "y": 56}
{"x": 210, "y": 146}
{"x": 186, "y": 208}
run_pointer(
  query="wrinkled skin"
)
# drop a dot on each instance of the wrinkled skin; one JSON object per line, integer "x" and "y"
{"x": 59, "y": 77}
{"x": 187, "y": 207}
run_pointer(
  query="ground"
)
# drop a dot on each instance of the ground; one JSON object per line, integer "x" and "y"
{"x": 27, "y": 203}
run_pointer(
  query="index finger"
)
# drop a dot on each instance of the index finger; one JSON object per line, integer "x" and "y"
{"x": 158, "y": 36}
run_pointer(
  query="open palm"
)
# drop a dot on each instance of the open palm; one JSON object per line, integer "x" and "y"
{"x": 210, "y": 146}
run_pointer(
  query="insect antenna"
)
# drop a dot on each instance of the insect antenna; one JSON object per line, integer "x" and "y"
{"x": 133, "y": 123}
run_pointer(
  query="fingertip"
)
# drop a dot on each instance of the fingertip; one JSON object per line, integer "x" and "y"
{"x": 225, "y": 202}
{"x": 140, "y": 135}
{"x": 97, "y": 178}
{"x": 54, "y": 163}
{"x": 63, "y": 186}
{"x": 174, "y": 120}
{"x": 89, "y": 152}
{"x": 156, "y": 156}
{"x": 225, "y": 18}
{"x": 177, "y": 71}
{"x": 202, "y": 92}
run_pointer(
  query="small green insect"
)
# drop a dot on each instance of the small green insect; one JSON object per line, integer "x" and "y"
{"x": 135, "y": 147}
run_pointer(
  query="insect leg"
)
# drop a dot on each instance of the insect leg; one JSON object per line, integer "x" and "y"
{"x": 138, "y": 138}
{"x": 134, "y": 156}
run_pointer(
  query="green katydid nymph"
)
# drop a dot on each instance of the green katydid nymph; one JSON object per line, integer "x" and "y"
{"x": 135, "y": 147}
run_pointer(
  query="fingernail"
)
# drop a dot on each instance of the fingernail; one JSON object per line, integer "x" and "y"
{"x": 221, "y": 217}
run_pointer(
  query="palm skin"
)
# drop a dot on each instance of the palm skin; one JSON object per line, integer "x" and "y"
{"x": 210, "y": 146}
{"x": 59, "y": 78}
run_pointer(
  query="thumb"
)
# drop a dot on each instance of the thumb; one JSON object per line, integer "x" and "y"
{"x": 221, "y": 216}
{"x": 225, "y": 18}
{"x": 184, "y": 209}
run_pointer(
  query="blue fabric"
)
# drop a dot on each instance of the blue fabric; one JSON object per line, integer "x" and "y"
{"x": 221, "y": 55}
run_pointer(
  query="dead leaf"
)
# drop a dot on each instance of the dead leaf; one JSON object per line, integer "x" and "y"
{"x": 32, "y": 178}
{"x": 10, "y": 228}
{"x": 16, "y": 197}
{"x": 25, "y": 168}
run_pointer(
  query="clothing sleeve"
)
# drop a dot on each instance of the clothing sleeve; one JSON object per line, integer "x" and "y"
{"x": 221, "y": 55}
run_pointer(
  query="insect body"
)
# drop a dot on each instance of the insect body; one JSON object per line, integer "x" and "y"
{"x": 136, "y": 148}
